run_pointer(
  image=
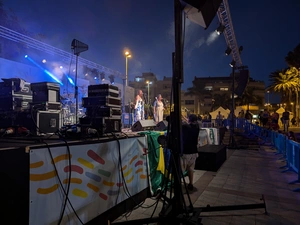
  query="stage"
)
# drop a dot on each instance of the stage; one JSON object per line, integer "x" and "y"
{"x": 33, "y": 175}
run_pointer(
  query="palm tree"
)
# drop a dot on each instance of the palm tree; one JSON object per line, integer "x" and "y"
{"x": 283, "y": 82}
{"x": 293, "y": 57}
{"x": 221, "y": 100}
{"x": 249, "y": 97}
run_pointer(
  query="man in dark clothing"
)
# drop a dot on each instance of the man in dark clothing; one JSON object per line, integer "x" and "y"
{"x": 190, "y": 133}
{"x": 286, "y": 120}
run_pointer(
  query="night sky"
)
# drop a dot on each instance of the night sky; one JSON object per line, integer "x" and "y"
{"x": 267, "y": 29}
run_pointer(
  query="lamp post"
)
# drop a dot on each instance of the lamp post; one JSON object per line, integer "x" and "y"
{"x": 232, "y": 141}
{"x": 148, "y": 86}
{"x": 127, "y": 55}
{"x": 268, "y": 92}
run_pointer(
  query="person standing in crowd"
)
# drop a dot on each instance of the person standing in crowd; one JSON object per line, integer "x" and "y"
{"x": 139, "y": 106}
{"x": 265, "y": 117}
{"x": 248, "y": 116}
{"x": 219, "y": 119}
{"x": 275, "y": 118}
{"x": 286, "y": 120}
{"x": 190, "y": 133}
{"x": 158, "y": 109}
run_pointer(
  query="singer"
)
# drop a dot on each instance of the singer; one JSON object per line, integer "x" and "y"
{"x": 158, "y": 109}
{"x": 139, "y": 107}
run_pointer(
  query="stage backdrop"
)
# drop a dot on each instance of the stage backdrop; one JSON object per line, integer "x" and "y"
{"x": 96, "y": 181}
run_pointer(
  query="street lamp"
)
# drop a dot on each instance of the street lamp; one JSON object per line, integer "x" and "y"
{"x": 127, "y": 55}
{"x": 148, "y": 83}
{"x": 268, "y": 92}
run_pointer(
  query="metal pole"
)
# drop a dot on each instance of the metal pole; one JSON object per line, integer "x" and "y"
{"x": 232, "y": 110}
{"x": 148, "y": 91}
{"x": 126, "y": 83}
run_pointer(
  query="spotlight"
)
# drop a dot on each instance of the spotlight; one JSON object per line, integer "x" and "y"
{"x": 44, "y": 61}
{"x": 220, "y": 29}
{"x": 61, "y": 67}
{"x": 228, "y": 51}
{"x": 26, "y": 56}
{"x": 241, "y": 49}
{"x": 232, "y": 64}
{"x": 112, "y": 79}
{"x": 102, "y": 75}
{"x": 95, "y": 78}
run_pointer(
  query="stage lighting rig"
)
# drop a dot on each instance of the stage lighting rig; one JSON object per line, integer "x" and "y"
{"x": 220, "y": 29}
{"x": 228, "y": 51}
{"x": 111, "y": 79}
{"x": 232, "y": 64}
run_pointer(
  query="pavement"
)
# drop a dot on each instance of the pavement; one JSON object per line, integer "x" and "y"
{"x": 244, "y": 177}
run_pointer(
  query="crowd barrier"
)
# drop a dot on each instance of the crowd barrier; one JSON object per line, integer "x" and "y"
{"x": 288, "y": 149}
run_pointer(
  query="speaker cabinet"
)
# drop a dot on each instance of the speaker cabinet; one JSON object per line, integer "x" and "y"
{"x": 242, "y": 81}
{"x": 161, "y": 126}
{"x": 143, "y": 125}
{"x": 211, "y": 157}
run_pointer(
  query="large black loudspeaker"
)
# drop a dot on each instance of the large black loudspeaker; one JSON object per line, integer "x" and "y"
{"x": 161, "y": 126}
{"x": 202, "y": 12}
{"x": 242, "y": 81}
{"x": 143, "y": 125}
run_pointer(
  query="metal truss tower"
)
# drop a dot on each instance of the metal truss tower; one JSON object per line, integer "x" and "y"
{"x": 225, "y": 19}
{"x": 38, "y": 45}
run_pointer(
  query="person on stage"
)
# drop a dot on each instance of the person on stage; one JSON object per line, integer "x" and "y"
{"x": 158, "y": 109}
{"x": 139, "y": 106}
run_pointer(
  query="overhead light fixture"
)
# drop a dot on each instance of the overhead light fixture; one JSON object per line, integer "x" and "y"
{"x": 232, "y": 64}
{"x": 228, "y": 51}
{"x": 102, "y": 75}
{"x": 241, "y": 49}
{"x": 220, "y": 29}
{"x": 112, "y": 79}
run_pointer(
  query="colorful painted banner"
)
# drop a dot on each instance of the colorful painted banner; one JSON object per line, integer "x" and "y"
{"x": 98, "y": 181}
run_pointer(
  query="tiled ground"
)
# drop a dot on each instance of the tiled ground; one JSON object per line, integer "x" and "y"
{"x": 245, "y": 176}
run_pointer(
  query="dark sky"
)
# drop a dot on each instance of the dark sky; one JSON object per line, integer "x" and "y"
{"x": 267, "y": 29}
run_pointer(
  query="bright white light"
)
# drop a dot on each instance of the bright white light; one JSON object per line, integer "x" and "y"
{"x": 44, "y": 61}
{"x": 95, "y": 78}
{"x": 26, "y": 56}
{"x": 61, "y": 67}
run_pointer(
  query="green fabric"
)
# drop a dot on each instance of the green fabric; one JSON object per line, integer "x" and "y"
{"x": 154, "y": 153}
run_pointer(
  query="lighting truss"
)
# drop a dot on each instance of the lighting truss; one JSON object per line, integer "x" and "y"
{"x": 66, "y": 56}
{"x": 225, "y": 19}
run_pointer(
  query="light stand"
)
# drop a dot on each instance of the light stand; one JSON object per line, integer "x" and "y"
{"x": 232, "y": 143}
{"x": 78, "y": 47}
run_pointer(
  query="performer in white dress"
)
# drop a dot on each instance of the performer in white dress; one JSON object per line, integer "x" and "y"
{"x": 158, "y": 109}
{"x": 139, "y": 106}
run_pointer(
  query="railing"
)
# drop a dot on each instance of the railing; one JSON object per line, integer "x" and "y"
{"x": 288, "y": 149}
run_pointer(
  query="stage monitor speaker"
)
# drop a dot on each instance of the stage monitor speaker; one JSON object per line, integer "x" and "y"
{"x": 242, "y": 82}
{"x": 142, "y": 125}
{"x": 202, "y": 12}
{"x": 161, "y": 126}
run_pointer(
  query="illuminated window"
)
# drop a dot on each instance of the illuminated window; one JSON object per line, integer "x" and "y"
{"x": 139, "y": 79}
{"x": 224, "y": 89}
{"x": 208, "y": 88}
